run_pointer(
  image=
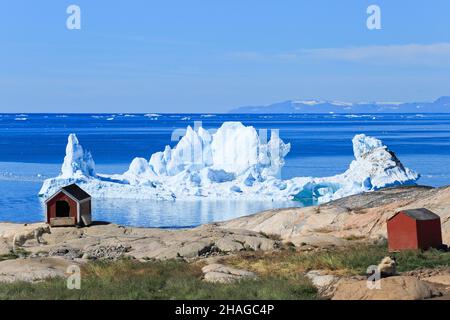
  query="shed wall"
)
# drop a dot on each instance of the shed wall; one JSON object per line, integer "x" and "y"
{"x": 429, "y": 233}
{"x": 402, "y": 232}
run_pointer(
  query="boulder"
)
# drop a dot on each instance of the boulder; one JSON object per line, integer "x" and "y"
{"x": 256, "y": 243}
{"x": 325, "y": 283}
{"x": 392, "y": 288}
{"x": 33, "y": 270}
{"x": 228, "y": 245}
{"x": 219, "y": 273}
{"x": 195, "y": 249}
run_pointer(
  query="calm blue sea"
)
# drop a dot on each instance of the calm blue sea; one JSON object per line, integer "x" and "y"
{"x": 32, "y": 148}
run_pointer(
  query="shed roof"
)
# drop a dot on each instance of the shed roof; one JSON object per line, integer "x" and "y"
{"x": 419, "y": 214}
{"x": 76, "y": 192}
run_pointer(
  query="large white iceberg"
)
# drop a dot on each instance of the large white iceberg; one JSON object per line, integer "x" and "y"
{"x": 236, "y": 161}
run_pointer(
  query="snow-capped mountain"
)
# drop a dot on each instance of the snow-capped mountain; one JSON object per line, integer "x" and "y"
{"x": 441, "y": 105}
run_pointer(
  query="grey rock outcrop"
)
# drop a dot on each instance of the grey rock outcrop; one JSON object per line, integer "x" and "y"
{"x": 33, "y": 270}
{"x": 361, "y": 216}
{"x": 219, "y": 273}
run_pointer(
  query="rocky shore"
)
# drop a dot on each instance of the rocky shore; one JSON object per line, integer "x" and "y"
{"x": 336, "y": 224}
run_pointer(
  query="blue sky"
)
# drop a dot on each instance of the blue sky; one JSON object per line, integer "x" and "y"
{"x": 211, "y": 56}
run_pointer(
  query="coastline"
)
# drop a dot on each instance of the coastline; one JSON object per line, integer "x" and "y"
{"x": 362, "y": 216}
{"x": 334, "y": 227}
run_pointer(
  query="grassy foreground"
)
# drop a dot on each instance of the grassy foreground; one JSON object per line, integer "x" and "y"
{"x": 280, "y": 276}
{"x": 353, "y": 260}
{"x": 129, "y": 279}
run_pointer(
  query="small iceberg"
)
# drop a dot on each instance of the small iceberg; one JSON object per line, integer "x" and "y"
{"x": 232, "y": 162}
{"x": 152, "y": 115}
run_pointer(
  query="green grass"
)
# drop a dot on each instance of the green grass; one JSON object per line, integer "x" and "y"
{"x": 352, "y": 260}
{"x": 280, "y": 275}
{"x": 412, "y": 260}
{"x": 158, "y": 280}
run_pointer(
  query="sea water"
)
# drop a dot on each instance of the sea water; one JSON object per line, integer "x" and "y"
{"x": 32, "y": 148}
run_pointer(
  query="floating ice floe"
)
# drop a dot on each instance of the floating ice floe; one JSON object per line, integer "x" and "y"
{"x": 232, "y": 162}
{"x": 152, "y": 115}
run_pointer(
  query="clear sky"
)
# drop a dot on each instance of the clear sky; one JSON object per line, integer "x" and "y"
{"x": 214, "y": 55}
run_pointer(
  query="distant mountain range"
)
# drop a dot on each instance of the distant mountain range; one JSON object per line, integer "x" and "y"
{"x": 441, "y": 105}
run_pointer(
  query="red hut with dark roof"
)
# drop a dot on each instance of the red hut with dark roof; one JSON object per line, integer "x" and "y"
{"x": 70, "y": 206}
{"x": 414, "y": 229}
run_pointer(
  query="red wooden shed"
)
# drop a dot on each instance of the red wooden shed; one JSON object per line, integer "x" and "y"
{"x": 414, "y": 229}
{"x": 70, "y": 206}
